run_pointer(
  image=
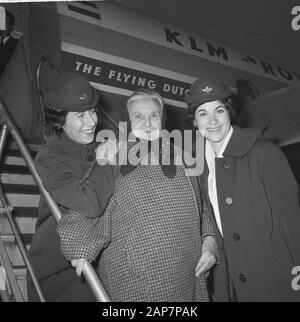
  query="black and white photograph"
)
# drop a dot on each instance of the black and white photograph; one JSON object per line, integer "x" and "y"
{"x": 150, "y": 153}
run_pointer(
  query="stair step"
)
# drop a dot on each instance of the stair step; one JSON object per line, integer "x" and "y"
{"x": 22, "y": 193}
{"x": 20, "y": 274}
{"x": 17, "y": 153}
{"x": 14, "y": 254}
{"x": 15, "y": 157}
{"x": 32, "y": 145}
{"x": 23, "y": 200}
{"x": 13, "y": 160}
{"x": 10, "y": 239}
{"x": 24, "y": 212}
{"x": 16, "y": 169}
{"x": 11, "y": 156}
{"x": 17, "y": 262}
{"x": 12, "y": 178}
{"x": 20, "y": 270}
{"x": 20, "y": 188}
{"x": 26, "y": 225}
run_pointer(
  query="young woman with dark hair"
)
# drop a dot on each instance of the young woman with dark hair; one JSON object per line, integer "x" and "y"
{"x": 69, "y": 171}
{"x": 253, "y": 194}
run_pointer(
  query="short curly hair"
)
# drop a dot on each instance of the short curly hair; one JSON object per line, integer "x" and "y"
{"x": 55, "y": 119}
{"x": 230, "y": 104}
{"x": 148, "y": 93}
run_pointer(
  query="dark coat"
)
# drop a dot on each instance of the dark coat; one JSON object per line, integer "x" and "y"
{"x": 260, "y": 217}
{"x": 6, "y": 51}
{"x": 76, "y": 182}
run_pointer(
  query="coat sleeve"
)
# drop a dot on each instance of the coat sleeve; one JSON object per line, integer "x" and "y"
{"x": 206, "y": 226}
{"x": 87, "y": 194}
{"x": 83, "y": 237}
{"x": 282, "y": 193}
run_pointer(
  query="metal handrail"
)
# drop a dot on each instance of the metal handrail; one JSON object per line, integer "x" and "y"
{"x": 4, "y": 259}
{"x": 43, "y": 60}
{"x": 8, "y": 209}
{"x": 88, "y": 271}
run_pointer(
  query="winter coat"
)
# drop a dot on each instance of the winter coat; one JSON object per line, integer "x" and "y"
{"x": 76, "y": 182}
{"x": 157, "y": 227}
{"x": 260, "y": 215}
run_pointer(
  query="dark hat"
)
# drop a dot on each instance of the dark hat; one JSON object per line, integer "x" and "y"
{"x": 71, "y": 92}
{"x": 203, "y": 91}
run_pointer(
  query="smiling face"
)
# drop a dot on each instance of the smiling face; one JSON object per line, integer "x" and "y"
{"x": 145, "y": 116}
{"x": 213, "y": 121}
{"x": 80, "y": 127}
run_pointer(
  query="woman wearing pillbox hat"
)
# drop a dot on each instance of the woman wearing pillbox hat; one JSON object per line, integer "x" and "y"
{"x": 82, "y": 188}
{"x": 253, "y": 195}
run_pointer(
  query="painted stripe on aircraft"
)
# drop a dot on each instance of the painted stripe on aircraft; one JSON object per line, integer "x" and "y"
{"x": 88, "y": 3}
{"x": 90, "y": 6}
{"x": 121, "y": 76}
{"x": 64, "y": 10}
{"x": 125, "y": 62}
{"x": 122, "y": 20}
{"x": 84, "y": 12}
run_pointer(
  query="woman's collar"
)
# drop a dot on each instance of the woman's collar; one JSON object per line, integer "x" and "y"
{"x": 242, "y": 141}
{"x": 75, "y": 149}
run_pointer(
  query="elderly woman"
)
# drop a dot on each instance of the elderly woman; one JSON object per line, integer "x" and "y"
{"x": 254, "y": 197}
{"x": 161, "y": 239}
{"x": 76, "y": 182}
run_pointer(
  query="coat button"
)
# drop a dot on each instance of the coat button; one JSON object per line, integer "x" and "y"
{"x": 229, "y": 201}
{"x": 226, "y": 165}
{"x": 242, "y": 278}
{"x": 236, "y": 236}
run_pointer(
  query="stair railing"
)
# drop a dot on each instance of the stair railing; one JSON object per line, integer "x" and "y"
{"x": 39, "y": 68}
{"x": 7, "y": 210}
{"x": 88, "y": 271}
{"x": 9, "y": 276}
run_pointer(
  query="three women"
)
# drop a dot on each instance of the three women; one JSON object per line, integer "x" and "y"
{"x": 151, "y": 232}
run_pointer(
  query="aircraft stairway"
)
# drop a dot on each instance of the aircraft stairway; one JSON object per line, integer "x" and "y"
{"x": 23, "y": 195}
